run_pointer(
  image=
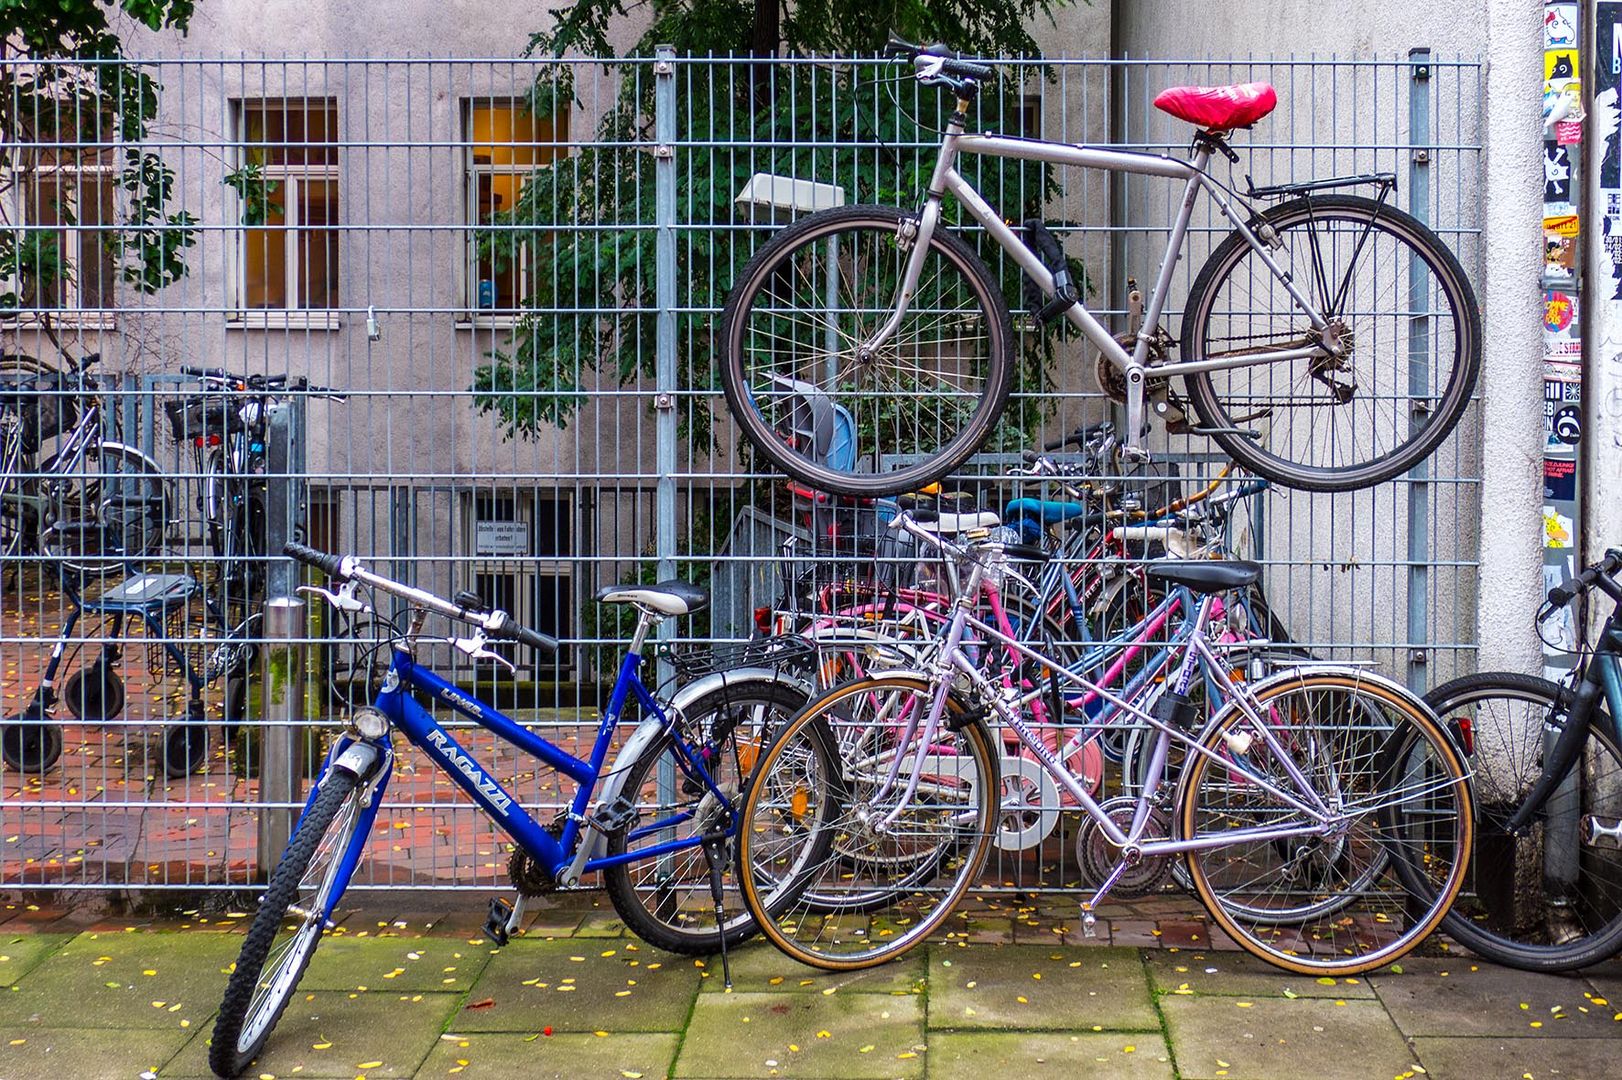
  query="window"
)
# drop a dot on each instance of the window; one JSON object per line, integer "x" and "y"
{"x": 288, "y": 188}
{"x": 522, "y": 544}
{"x": 506, "y": 143}
{"x": 62, "y": 198}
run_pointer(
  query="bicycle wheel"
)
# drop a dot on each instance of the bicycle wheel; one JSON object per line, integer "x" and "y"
{"x": 1548, "y": 899}
{"x": 818, "y": 841}
{"x": 119, "y": 502}
{"x": 274, "y": 956}
{"x": 1277, "y": 895}
{"x": 665, "y": 899}
{"x": 1395, "y": 297}
{"x": 809, "y": 395}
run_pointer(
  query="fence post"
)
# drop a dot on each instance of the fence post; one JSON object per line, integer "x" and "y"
{"x": 664, "y": 286}
{"x": 282, "y": 673}
{"x": 1419, "y": 164}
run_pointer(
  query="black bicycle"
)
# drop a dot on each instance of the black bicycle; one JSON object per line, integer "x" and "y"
{"x": 1546, "y": 879}
{"x": 91, "y": 478}
{"x": 226, "y": 427}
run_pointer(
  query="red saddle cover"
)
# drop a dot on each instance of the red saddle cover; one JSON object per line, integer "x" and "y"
{"x": 1219, "y": 108}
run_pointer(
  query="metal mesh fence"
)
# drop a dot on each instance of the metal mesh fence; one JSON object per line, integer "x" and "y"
{"x": 510, "y": 273}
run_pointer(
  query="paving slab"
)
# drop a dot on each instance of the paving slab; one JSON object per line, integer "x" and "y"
{"x": 975, "y": 1055}
{"x": 1274, "y": 1039}
{"x": 612, "y": 984}
{"x": 84, "y": 1052}
{"x": 330, "y": 1033}
{"x": 851, "y": 1036}
{"x": 1481, "y": 999}
{"x": 760, "y": 967}
{"x": 504, "y": 1055}
{"x": 438, "y": 964}
{"x": 1028, "y": 987}
{"x": 1242, "y": 975}
{"x": 19, "y": 953}
{"x": 1541, "y": 1058}
{"x": 125, "y": 981}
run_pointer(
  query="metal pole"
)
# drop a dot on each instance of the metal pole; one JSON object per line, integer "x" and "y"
{"x": 1419, "y": 164}
{"x": 664, "y": 268}
{"x": 282, "y": 673}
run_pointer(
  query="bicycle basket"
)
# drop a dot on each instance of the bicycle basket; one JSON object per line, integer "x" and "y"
{"x": 42, "y": 402}
{"x": 778, "y": 653}
{"x": 209, "y": 417}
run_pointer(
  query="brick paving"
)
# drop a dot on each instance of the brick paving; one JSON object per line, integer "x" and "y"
{"x": 403, "y": 991}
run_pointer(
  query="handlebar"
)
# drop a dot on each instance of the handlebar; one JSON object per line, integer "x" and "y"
{"x": 937, "y": 59}
{"x": 1602, "y": 573}
{"x": 495, "y": 623}
{"x": 266, "y": 383}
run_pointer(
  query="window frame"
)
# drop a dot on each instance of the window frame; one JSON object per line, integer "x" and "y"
{"x": 290, "y": 178}
{"x": 471, "y": 316}
{"x": 70, "y": 315}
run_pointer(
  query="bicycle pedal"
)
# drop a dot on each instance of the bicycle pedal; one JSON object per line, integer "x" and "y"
{"x": 495, "y": 924}
{"x": 619, "y": 812}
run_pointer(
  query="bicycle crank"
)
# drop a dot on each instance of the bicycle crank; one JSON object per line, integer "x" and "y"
{"x": 1100, "y": 859}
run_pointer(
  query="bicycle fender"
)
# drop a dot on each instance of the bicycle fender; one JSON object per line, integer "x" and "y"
{"x": 649, "y": 730}
{"x": 136, "y": 451}
{"x": 358, "y": 760}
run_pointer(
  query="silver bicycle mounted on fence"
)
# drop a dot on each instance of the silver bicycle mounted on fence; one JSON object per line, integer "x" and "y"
{"x": 1331, "y": 342}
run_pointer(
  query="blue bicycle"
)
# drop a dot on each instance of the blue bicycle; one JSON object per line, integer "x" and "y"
{"x": 657, "y": 823}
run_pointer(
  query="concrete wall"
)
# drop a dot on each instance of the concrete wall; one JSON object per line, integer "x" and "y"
{"x": 1505, "y": 112}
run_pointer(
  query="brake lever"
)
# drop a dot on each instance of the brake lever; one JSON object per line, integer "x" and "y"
{"x": 477, "y": 648}
{"x": 344, "y": 599}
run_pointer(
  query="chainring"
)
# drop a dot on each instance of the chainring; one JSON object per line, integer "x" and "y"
{"x": 1098, "y": 857}
{"x": 1112, "y": 380}
{"x": 526, "y": 874}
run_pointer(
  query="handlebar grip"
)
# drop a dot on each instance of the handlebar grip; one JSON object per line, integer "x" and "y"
{"x": 1560, "y": 596}
{"x": 545, "y": 644}
{"x": 899, "y": 46}
{"x": 331, "y": 565}
{"x": 205, "y": 372}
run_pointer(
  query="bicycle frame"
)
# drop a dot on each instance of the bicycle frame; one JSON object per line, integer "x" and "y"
{"x": 554, "y": 855}
{"x": 1133, "y": 366}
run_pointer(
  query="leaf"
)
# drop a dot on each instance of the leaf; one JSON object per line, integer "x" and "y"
{"x": 483, "y": 1003}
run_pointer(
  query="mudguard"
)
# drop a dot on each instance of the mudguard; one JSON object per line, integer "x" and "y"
{"x": 591, "y": 844}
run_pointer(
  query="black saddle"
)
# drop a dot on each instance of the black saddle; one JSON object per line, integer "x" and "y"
{"x": 1206, "y": 575}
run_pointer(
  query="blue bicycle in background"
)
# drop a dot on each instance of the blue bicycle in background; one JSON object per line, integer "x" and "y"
{"x": 657, "y": 823}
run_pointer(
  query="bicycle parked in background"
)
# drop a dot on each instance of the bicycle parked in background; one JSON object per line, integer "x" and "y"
{"x": 90, "y": 478}
{"x": 1546, "y": 892}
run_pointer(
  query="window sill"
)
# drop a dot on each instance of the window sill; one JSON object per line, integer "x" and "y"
{"x": 283, "y": 320}
{"x": 68, "y": 320}
{"x": 488, "y": 322}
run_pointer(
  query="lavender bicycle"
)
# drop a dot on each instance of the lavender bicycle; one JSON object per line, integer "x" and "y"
{"x": 1290, "y": 804}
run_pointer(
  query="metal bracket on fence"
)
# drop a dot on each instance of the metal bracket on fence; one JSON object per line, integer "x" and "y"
{"x": 282, "y": 673}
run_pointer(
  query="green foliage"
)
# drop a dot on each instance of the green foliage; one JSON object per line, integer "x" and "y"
{"x": 255, "y": 190}
{"x": 98, "y": 104}
{"x": 584, "y": 218}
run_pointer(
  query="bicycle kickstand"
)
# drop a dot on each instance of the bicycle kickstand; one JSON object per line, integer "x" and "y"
{"x": 715, "y": 855}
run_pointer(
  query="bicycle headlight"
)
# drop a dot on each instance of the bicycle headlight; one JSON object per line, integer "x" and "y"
{"x": 368, "y": 723}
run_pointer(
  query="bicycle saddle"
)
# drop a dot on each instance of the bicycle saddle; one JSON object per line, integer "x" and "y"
{"x": 1206, "y": 575}
{"x": 665, "y": 597}
{"x": 1218, "y": 108}
{"x": 1049, "y": 511}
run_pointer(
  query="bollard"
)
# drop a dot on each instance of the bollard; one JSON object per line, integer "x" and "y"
{"x": 282, "y": 687}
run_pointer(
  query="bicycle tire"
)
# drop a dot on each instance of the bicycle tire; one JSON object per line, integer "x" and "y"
{"x": 775, "y": 262}
{"x": 776, "y": 881}
{"x": 1207, "y": 298}
{"x": 1594, "y": 913}
{"x": 680, "y": 918}
{"x": 136, "y": 505}
{"x": 228, "y": 1053}
{"x": 1333, "y": 943}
